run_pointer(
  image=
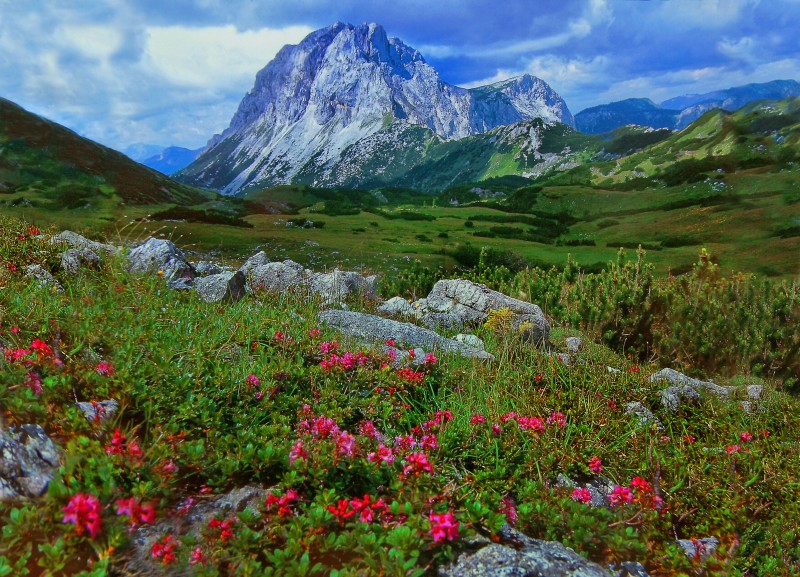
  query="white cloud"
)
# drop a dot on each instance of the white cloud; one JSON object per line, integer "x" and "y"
{"x": 215, "y": 55}
{"x": 93, "y": 41}
{"x": 743, "y": 49}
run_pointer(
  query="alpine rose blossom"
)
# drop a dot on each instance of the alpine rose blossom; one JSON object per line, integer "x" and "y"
{"x": 595, "y": 465}
{"x": 582, "y": 495}
{"x": 444, "y": 526}
{"x": 83, "y": 511}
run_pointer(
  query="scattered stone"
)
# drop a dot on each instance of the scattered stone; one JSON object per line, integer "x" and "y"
{"x": 396, "y": 306}
{"x": 44, "y": 277}
{"x": 613, "y": 371}
{"x": 227, "y": 287}
{"x": 671, "y": 397}
{"x": 180, "y": 284}
{"x": 205, "y": 268}
{"x": 674, "y": 377}
{"x": 255, "y": 261}
{"x": 371, "y": 328}
{"x": 99, "y": 412}
{"x": 276, "y": 276}
{"x": 29, "y": 459}
{"x": 574, "y": 345}
{"x": 755, "y": 392}
{"x": 598, "y": 486}
{"x": 471, "y": 340}
{"x": 457, "y": 303}
{"x": 520, "y": 556}
{"x": 645, "y": 416}
{"x": 629, "y": 569}
{"x": 160, "y": 255}
{"x": 74, "y": 240}
{"x": 337, "y": 285}
{"x": 563, "y": 357}
{"x": 699, "y": 548}
{"x": 76, "y": 258}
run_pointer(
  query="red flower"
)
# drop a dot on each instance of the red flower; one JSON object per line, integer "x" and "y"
{"x": 732, "y": 449}
{"x": 746, "y": 436}
{"x": 382, "y": 455}
{"x": 595, "y": 465}
{"x": 83, "y": 511}
{"x": 444, "y": 526}
{"x": 620, "y": 495}
{"x": 582, "y": 495}
{"x": 34, "y": 383}
{"x": 342, "y": 510}
{"x": 557, "y": 419}
{"x": 477, "y": 419}
{"x": 105, "y": 368}
{"x": 417, "y": 463}
{"x": 297, "y": 452}
{"x": 197, "y": 557}
{"x": 41, "y": 347}
{"x": 136, "y": 512}
{"x": 117, "y": 446}
{"x": 164, "y": 549}
{"x": 509, "y": 509}
{"x": 430, "y": 359}
{"x": 689, "y": 439}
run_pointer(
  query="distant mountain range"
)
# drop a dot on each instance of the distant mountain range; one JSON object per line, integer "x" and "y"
{"x": 677, "y": 113}
{"x": 343, "y": 88}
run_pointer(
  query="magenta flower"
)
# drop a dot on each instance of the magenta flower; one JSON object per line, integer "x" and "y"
{"x": 252, "y": 381}
{"x": 430, "y": 359}
{"x": 297, "y": 452}
{"x": 105, "y": 368}
{"x": 746, "y": 436}
{"x": 417, "y": 463}
{"x": 477, "y": 419}
{"x": 444, "y": 526}
{"x": 595, "y": 465}
{"x": 620, "y": 495}
{"x": 582, "y": 495}
{"x": 197, "y": 557}
{"x": 83, "y": 511}
{"x": 733, "y": 449}
{"x": 509, "y": 509}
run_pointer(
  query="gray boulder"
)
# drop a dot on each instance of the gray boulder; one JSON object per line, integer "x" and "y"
{"x": 99, "y": 412}
{"x": 74, "y": 240}
{"x": 456, "y": 303}
{"x": 337, "y": 285}
{"x": 396, "y": 306}
{"x": 671, "y": 397}
{"x": 38, "y": 272}
{"x": 371, "y": 329}
{"x": 643, "y": 414}
{"x": 29, "y": 459}
{"x": 471, "y": 340}
{"x": 629, "y": 569}
{"x": 205, "y": 268}
{"x": 521, "y": 556}
{"x": 160, "y": 255}
{"x": 276, "y": 276}
{"x": 674, "y": 377}
{"x": 226, "y": 286}
{"x": 699, "y": 548}
{"x": 255, "y": 261}
{"x": 73, "y": 260}
{"x": 573, "y": 345}
{"x": 599, "y": 487}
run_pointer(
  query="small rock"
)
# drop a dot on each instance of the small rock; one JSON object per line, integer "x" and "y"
{"x": 227, "y": 287}
{"x": 160, "y": 255}
{"x": 396, "y": 306}
{"x": 671, "y": 397}
{"x": 563, "y": 357}
{"x": 205, "y": 268}
{"x": 180, "y": 284}
{"x": 629, "y": 569}
{"x": 755, "y": 392}
{"x": 75, "y": 258}
{"x": 645, "y": 416}
{"x": 574, "y": 344}
{"x": 99, "y": 412}
{"x": 598, "y": 486}
{"x": 674, "y": 377}
{"x": 74, "y": 240}
{"x": 255, "y": 261}
{"x": 699, "y": 548}
{"x": 613, "y": 371}
{"x": 29, "y": 460}
{"x": 276, "y": 276}
{"x": 44, "y": 277}
{"x": 471, "y": 340}
{"x": 338, "y": 285}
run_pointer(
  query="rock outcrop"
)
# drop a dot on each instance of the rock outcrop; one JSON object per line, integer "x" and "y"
{"x": 226, "y": 286}
{"x": 160, "y": 255}
{"x": 28, "y": 459}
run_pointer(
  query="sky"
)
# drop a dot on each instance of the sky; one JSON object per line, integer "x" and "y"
{"x": 172, "y": 72}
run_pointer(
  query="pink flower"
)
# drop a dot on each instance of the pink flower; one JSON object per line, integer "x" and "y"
{"x": 367, "y": 429}
{"x": 496, "y": 429}
{"x": 477, "y": 419}
{"x": 34, "y": 383}
{"x": 314, "y": 333}
{"x": 405, "y": 442}
{"x": 509, "y": 509}
{"x": 530, "y": 423}
{"x": 252, "y": 381}
{"x": 582, "y": 495}
{"x": 328, "y": 347}
{"x": 342, "y": 510}
{"x": 689, "y": 439}
{"x": 595, "y": 465}
{"x": 297, "y": 452}
{"x": 557, "y": 419}
{"x": 732, "y": 449}
{"x": 430, "y": 359}
{"x": 197, "y": 557}
{"x": 135, "y": 511}
{"x": 746, "y": 436}
{"x": 390, "y": 343}
{"x": 83, "y": 511}
{"x": 164, "y": 549}
{"x": 416, "y": 463}
{"x": 345, "y": 444}
{"x": 117, "y": 446}
{"x": 620, "y": 495}
{"x": 444, "y": 526}
{"x": 429, "y": 443}
{"x": 382, "y": 455}
{"x": 105, "y": 368}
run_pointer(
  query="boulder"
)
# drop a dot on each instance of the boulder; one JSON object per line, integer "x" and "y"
{"x": 643, "y": 414}
{"x": 574, "y": 345}
{"x": 372, "y": 329}
{"x": 29, "y": 460}
{"x": 629, "y": 569}
{"x": 160, "y": 255}
{"x": 396, "y": 306}
{"x": 205, "y": 268}
{"x": 520, "y": 556}
{"x": 276, "y": 276}
{"x": 38, "y": 272}
{"x": 674, "y": 377}
{"x": 74, "y": 240}
{"x": 255, "y": 261}
{"x": 699, "y": 548}
{"x": 456, "y": 303}
{"x": 335, "y": 286}
{"x": 471, "y": 340}
{"x": 598, "y": 486}
{"x": 99, "y": 412}
{"x": 76, "y": 258}
{"x": 671, "y": 397}
{"x": 226, "y": 286}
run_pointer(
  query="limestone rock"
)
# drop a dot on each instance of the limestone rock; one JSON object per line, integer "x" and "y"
{"x": 160, "y": 255}
{"x": 28, "y": 459}
{"x": 255, "y": 261}
{"x": 337, "y": 285}
{"x": 574, "y": 344}
{"x": 674, "y": 377}
{"x": 371, "y": 328}
{"x": 99, "y": 412}
{"x": 74, "y": 240}
{"x": 471, "y": 340}
{"x": 205, "y": 268}
{"x": 276, "y": 276}
{"x": 76, "y": 258}
{"x": 396, "y": 306}
{"x": 226, "y": 286}
{"x": 44, "y": 277}
{"x": 671, "y": 397}
{"x": 523, "y": 557}
{"x": 643, "y": 414}
{"x": 699, "y": 548}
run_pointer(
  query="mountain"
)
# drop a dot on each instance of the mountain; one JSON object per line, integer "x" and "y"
{"x": 677, "y": 113}
{"x": 639, "y": 111}
{"x": 341, "y": 85}
{"x": 141, "y": 151}
{"x": 45, "y": 164}
{"x": 171, "y": 159}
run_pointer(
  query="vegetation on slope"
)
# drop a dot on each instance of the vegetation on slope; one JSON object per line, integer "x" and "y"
{"x": 219, "y": 396}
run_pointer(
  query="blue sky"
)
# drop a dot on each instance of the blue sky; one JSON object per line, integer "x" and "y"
{"x": 173, "y": 71}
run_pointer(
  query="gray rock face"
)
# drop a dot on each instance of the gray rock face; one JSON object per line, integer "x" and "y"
{"x": 674, "y": 377}
{"x": 205, "y": 268}
{"x": 255, "y": 261}
{"x": 699, "y": 548}
{"x": 643, "y": 414}
{"x": 629, "y": 569}
{"x": 396, "y": 306}
{"x": 74, "y": 240}
{"x": 371, "y": 328}
{"x": 458, "y": 302}
{"x": 73, "y": 260}
{"x": 337, "y": 285}
{"x": 42, "y": 275}
{"x": 99, "y": 412}
{"x": 226, "y": 286}
{"x": 671, "y": 397}
{"x": 598, "y": 486}
{"x": 574, "y": 345}
{"x": 160, "y": 255}
{"x": 523, "y": 557}
{"x": 28, "y": 461}
{"x": 276, "y": 276}
{"x": 471, "y": 340}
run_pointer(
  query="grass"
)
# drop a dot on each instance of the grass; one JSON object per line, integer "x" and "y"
{"x": 181, "y": 373}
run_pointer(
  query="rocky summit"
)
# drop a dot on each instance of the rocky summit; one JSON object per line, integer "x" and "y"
{"x": 341, "y": 85}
